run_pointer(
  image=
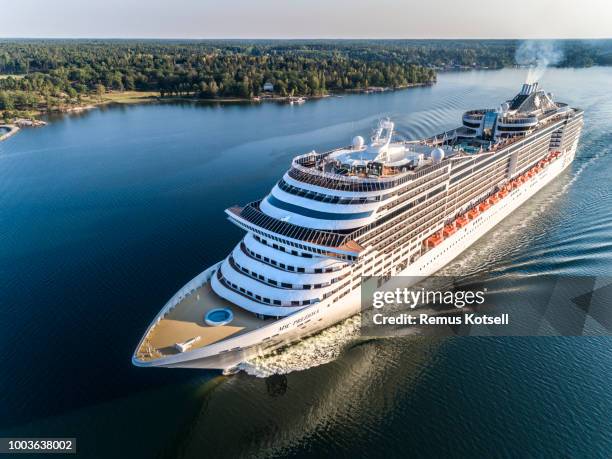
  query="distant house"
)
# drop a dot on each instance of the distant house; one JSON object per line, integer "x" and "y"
{"x": 269, "y": 87}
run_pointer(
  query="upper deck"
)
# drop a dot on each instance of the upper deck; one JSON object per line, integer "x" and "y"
{"x": 385, "y": 164}
{"x": 327, "y": 201}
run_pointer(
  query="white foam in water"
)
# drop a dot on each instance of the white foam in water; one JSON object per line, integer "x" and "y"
{"x": 310, "y": 352}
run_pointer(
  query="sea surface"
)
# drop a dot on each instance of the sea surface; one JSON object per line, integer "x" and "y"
{"x": 105, "y": 214}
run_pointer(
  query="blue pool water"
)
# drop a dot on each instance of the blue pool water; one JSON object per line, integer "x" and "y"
{"x": 218, "y": 316}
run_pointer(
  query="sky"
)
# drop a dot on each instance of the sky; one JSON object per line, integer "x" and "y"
{"x": 307, "y": 18}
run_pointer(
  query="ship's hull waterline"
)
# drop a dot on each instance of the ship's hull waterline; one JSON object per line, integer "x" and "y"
{"x": 228, "y": 353}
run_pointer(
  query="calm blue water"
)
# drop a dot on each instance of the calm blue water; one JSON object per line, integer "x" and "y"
{"x": 104, "y": 215}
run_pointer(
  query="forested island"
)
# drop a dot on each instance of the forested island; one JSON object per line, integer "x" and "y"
{"x": 43, "y": 75}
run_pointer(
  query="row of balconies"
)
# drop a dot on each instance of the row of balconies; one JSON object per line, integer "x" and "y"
{"x": 526, "y": 121}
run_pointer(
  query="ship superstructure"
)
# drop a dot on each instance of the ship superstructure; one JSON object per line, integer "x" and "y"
{"x": 379, "y": 208}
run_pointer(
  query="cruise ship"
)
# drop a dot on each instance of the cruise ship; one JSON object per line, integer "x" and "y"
{"x": 381, "y": 208}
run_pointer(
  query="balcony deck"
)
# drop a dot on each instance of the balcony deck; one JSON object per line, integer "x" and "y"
{"x": 186, "y": 321}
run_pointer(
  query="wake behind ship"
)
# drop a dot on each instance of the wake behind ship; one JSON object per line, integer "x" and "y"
{"x": 380, "y": 209}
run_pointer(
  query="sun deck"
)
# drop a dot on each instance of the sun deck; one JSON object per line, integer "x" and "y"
{"x": 186, "y": 321}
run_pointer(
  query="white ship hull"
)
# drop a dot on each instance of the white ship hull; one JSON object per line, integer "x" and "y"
{"x": 229, "y": 352}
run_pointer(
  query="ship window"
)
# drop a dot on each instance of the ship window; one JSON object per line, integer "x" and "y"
{"x": 301, "y": 270}
{"x": 315, "y": 213}
{"x": 489, "y": 125}
{"x": 277, "y": 302}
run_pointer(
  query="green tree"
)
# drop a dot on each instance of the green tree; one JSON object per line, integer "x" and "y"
{"x": 100, "y": 91}
{"x": 6, "y": 101}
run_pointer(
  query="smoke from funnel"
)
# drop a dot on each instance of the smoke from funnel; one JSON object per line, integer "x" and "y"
{"x": 537, "y": 55}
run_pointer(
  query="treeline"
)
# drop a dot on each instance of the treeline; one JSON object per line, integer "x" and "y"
{"x": 52, "y": 72}
{"x": 49, "y": 73}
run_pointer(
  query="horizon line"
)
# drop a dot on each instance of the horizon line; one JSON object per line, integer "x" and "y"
{"x": 304, "y": 38}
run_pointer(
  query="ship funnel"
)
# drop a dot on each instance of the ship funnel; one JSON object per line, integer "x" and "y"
{"x": 529, "y": 88}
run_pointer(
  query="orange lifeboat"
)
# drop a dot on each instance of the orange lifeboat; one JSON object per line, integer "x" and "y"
{"x": 494, "y": 199}
{"x": 461, "y": 222}
{"x": 484, "y": 206}
{"x": 503, "y": 193}
{"x": 472, "y": 214}
{"x": 449, "y": 230}
{"x": 434, "y": 240}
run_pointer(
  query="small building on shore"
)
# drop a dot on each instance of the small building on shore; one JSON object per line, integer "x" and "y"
{"x": 268, "y": 87}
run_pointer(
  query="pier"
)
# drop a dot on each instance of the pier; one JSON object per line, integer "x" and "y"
{"x": 12, "y": 129}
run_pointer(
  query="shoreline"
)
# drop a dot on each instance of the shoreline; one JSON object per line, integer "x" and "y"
{"x": 145, "y": 97}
